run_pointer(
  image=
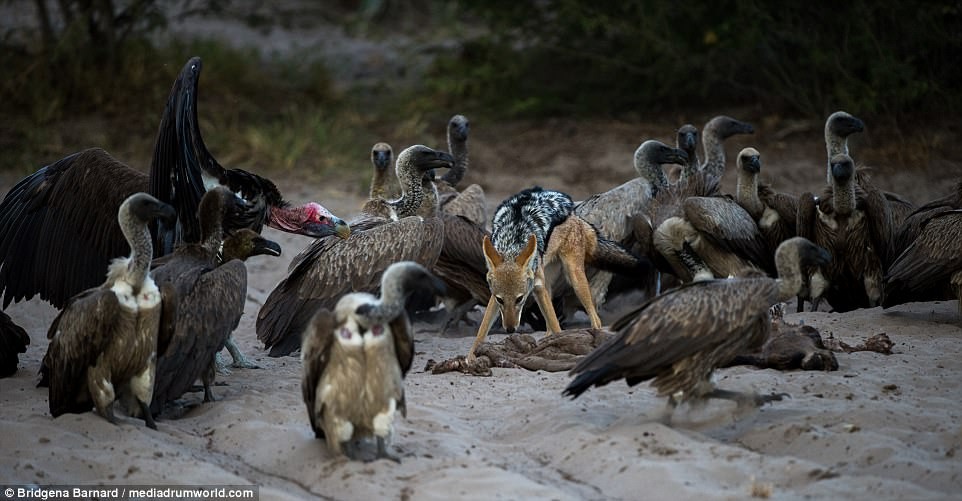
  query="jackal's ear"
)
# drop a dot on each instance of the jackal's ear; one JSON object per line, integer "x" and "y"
{"x": 528, "y": 252}
{"x": 491, "y": 254}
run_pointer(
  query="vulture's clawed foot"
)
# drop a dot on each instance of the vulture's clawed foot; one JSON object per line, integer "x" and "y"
{"x": 148, "y": 417}
{"x": 760, "y": 400}
{"x": 240, "y": 360}
{"x": 222, "y": 368}
{"x": 382, "y": 452}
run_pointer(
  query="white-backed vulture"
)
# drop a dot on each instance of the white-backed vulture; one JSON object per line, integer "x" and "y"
{"x": 469, "y": 202}
{"x": 720, "y": 232}
{"x": 331, "y": 267}
{"x": 838, "y": 127}
{"x": 686, "y": 139}
{"x": 382, "y": 157}
{"x": 203, "y": 300}
{"x": 58, "y": 229}
{"x": 775, "y": 213}
{"x": 930, "y": 268}
{"x": 13, "y": 341}
{"x": 355, "y": 359}
{"x": 713, "y": 137}
{"x": 854, "y": 226}
{"x": 613, "y": 211}
{"x": 104, "y": 343}
{"x": 679, "y": 338}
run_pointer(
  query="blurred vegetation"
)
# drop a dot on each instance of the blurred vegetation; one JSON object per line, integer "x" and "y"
{"x": 572, "y": 56}
{"x": 93, "y": 70}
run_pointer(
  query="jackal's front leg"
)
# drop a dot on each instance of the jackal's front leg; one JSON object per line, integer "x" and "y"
{"x": 489, "y": 313}
{"x": 542, "y": 295}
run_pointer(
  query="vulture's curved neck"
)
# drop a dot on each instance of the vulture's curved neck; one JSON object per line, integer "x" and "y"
{"x": 843, "y": 196}
{"x": 459, "y": 150}
{"x": 412, "y": 193}
{"x": 834, "y": 145}
{"x": 714, "y": 148}
{"x": 746, "y": 193}
{"x": 141, "y": 251}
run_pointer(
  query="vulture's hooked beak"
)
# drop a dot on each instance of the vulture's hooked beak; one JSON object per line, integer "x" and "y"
{"x": 265, "y": 247}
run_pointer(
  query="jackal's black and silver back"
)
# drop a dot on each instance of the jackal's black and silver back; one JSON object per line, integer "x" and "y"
{"x": 532, "y": 211}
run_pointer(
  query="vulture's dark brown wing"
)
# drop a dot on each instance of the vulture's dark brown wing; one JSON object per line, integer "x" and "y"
{"x": 332, "y": 267}
{"x": 179, "y": 157}
{"x": 470, "y": 203}
{"x": 404, "y": 349}
{"x": 315, "y": 354}
{"x": 922, "y": 271}
{"x": 58, "y": 226}
{"x": 78, "y": 335}
{"x": 461, "y": 262}
{"x": 677, "y": 324}
{"x": 13, "y": 341}
{"x": 210, "y": 303}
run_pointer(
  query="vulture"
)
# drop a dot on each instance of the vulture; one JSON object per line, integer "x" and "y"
{"x": 838, "y": 127}
{"x": 331, "y": 267}
{"x": 676, "y": 340}
{"x": 613, "y": 211}
{"x": 713, "y": 137}
{"x": 723, "y": 232}
{"x": 855, "y": 227}
{"x": 719, "y": 231}
{"x": 58, "y": 227}
{"x": 203, "y": 299}
{"x": 686, "y": 139}
{"x": 775, "y": 213}
{"x": 13, "y": 341}
{"x": 104, "y": 343}
{"x": 930, "y": 268}
{"x": 382, "y": 155}
{"x": 354, "y": 361}
{"x": 469, "y": 202}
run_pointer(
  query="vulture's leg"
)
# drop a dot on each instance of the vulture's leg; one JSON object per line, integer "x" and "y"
{"x": 382, "y": 452}
{"x": 240, "y": 361}
{"x": 148, "y": 417}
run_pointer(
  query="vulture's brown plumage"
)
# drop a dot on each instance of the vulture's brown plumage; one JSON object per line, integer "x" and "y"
{"x": 613, "y": 212}
{"x": 676, "y": 340}
{"x": 930, "y": 268}
{"x": 355, "y": 359}
{"x": 855, "y": 226}
{"x": 204, "y": 290}
{"x": 104, "y": 343}
{"x": 330, "y": 267}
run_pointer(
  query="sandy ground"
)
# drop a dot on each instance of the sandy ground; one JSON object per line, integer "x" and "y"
{"x": 881, "y": 427}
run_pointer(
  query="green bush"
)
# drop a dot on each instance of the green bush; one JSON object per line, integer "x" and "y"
{"x": 570, "y": 56}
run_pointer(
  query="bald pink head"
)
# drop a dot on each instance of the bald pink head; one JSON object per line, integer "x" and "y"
{"x": 310, "y": 219}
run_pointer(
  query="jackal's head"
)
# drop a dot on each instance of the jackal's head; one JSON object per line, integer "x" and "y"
{"x": 510, "y": 280}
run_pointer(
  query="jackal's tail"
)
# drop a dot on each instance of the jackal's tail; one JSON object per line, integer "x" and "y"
{"x": 611, "y": 256}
